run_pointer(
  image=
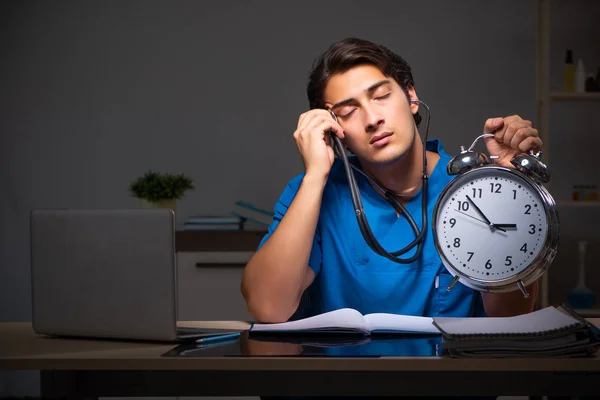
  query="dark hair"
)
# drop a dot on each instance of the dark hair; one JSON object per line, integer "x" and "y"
{"x": 348, "y": 53}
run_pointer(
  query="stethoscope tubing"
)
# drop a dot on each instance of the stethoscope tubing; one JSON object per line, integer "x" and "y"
{"x": 359, "y": 211}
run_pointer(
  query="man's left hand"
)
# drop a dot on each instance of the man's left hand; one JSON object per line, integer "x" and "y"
{"x": 512, "y": 135}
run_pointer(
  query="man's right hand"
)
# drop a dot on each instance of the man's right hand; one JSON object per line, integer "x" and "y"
{"x": 314, "y": 142}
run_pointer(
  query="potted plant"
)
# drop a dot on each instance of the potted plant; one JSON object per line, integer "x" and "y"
{"x": 161, "y": 190}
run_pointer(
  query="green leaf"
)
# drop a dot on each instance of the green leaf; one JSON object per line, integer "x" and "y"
{"x": 154, "y": 186}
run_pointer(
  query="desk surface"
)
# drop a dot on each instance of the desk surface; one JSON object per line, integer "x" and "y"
{"x": 22, "y": 349}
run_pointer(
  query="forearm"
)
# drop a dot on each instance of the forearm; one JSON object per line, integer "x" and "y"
{"x": 278, "y": 273}
{"x": 510, "y": 304}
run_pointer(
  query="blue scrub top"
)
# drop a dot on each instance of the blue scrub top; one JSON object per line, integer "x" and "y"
{"x": 350, "y": 274}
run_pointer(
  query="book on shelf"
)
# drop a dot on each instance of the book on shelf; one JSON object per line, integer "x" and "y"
{"x": 551, "y": 331}
{"x": 348, "y": 320}
{"x": 214, "y": 219}
{"x": 214, "y": 223}
{"x": 253, "y": 214}
{"x": 212, "y": 227}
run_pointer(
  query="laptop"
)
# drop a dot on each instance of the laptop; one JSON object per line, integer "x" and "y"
{"x": 106, "y": 273}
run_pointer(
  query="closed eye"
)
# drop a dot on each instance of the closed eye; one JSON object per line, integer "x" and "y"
{"x": 346, "y": 115}
{"x": 385, "y": 96}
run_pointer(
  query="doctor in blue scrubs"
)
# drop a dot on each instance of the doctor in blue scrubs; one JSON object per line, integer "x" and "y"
{"x": 315, "y": 238}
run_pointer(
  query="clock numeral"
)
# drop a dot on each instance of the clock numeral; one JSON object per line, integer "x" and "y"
{"x": 456, "y": 242}
{"x": 508, "y": 260}
{"x": 452, "y": 222}
{"x": 514, "y": 194}
{"x": 463, "y": 205}
{"x": 496, "y": 187}
{"x": 531, "y": 229}
{"x": 477, "y": 192}
{"x": 524, "y": 248}
{"x": 527, "y": 208}
{"x": 471, "y": 254}
{"x": 488, "y": 264}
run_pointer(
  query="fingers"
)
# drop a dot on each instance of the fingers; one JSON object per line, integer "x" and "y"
{"x": 325, "y": 126}
{"x": 517, "y": 133}
{"x": 530, "y": 143}
{"x": 492, "y": 125}
{"x": 301, "y": 120}
{"x": 319, "y": 120}
{"x": 511, "y": 127}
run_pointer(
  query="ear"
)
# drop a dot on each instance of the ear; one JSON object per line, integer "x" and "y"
{"x": 414, "y": 106}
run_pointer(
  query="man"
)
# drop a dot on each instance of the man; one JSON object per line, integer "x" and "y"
{"x": 315, "y": 233}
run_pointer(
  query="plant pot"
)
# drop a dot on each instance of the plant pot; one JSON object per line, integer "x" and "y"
{"x": 166, "y": 203}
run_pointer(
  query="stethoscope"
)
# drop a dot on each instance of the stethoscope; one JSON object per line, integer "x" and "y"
{"x": 361, "y": 217}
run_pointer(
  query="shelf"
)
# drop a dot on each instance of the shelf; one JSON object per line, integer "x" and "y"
{"x": 238, "y": 240}
{"x": 570, "y": 203}
{"x": 550, "y": 103}
{"x": 588, "y": 96}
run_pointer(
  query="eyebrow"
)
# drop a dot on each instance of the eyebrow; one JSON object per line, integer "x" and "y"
{"x": 370, "y": 89}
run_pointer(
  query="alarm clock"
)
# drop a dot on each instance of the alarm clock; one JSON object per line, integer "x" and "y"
{"x": 496, "y": 229}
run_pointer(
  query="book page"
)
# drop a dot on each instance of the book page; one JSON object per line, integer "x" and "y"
{"x": 400, "y": 323}
{"x": 337, "y": 320}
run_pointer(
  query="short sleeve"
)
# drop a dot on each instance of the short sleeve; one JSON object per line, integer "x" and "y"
{"x": 281, "y": 207}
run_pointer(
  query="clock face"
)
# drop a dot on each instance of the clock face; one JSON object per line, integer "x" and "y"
{"x": 491, "y": 224}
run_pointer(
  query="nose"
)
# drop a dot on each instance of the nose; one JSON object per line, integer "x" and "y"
{"x": 373, "y": 119}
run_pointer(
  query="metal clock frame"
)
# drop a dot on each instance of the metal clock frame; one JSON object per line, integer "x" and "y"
{"x": 535, "y": 269}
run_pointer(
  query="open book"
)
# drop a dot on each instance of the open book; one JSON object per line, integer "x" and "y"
{"x": 348, "y": 320}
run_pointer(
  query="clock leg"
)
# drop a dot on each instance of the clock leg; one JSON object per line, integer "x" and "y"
{"x": 522, "y": 288}
{"x": 454, "y": 280}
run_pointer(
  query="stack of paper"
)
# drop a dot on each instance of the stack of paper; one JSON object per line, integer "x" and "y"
{"x": 547, "y": 332}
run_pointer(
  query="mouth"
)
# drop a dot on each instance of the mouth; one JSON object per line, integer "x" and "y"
{"x": 381, "y": 139}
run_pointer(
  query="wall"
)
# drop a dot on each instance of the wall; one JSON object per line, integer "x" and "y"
{"x": 95, "y": 93}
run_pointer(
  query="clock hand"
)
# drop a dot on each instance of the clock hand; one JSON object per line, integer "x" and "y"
{"x": 487, "y": 221}
{"x": 480, "y": 220}
{"x": 506, "y": 226}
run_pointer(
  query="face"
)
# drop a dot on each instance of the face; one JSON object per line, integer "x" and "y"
{"x": 374, "y": 112}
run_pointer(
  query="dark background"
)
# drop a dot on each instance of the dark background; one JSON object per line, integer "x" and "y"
{"x": 94, "y": 93}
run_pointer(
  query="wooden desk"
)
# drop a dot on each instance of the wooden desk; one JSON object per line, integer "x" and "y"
{"x": 92, "y": 368}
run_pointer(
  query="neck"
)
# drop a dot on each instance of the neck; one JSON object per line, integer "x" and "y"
{"x": 403, "y": 176}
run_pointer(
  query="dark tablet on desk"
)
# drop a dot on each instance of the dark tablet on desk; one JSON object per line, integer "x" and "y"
{"x": 261, "y": 345}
